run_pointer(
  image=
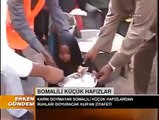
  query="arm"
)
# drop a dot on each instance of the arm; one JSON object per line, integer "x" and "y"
{"x": 61, "y": 24}
{"x": 57, "y": 16}
{"x": 13, "y": 63}
{"x": 21, "y": 26}
{"x": 108, "y": 30}
{"x": 139, "y": 30}
{"x": 9, "y": 63}
{"x": 51, "y": 74}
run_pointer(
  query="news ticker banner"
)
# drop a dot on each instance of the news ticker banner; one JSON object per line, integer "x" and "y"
{"x": 17, "y": 102}
{"x": 101, "y": 97}
{"x": 66, "y": 91}
{"x": 57, "y": 97}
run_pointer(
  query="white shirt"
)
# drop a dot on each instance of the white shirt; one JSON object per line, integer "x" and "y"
{"x": 10, "y": 61}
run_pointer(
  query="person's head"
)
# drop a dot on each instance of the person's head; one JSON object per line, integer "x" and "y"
{"x": 64, "y": 53}
{"x": 68, "y": 49}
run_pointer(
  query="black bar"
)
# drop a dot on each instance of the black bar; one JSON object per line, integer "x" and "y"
{"x": 97, "y": 102}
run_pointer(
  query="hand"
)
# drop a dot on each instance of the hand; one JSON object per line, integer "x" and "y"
{"x": 54, "y": 75}
{"x": 49, "y": 60}
{"x": 91, "y": 55}
{"x": 82, "y": 70}
{"x": 104, "y": 74}
{"x": 49, "y": 73}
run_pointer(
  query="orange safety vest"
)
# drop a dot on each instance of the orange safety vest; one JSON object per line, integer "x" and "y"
{"x": 14, "y": 40}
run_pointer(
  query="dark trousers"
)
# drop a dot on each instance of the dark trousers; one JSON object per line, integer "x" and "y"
{"x": 143, "y": 61}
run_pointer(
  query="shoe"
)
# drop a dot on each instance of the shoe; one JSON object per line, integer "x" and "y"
{"x": 27, "y": 116}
